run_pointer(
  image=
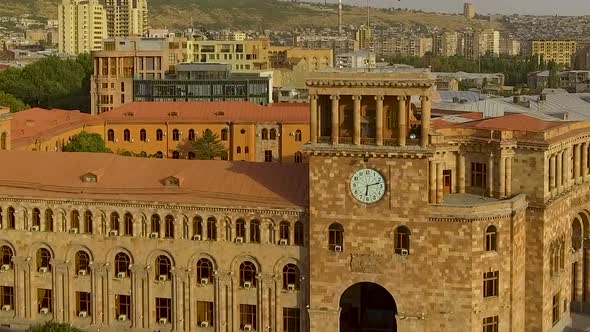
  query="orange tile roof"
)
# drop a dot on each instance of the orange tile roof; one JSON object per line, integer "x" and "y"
{"x": 208, "y": 112}
{"x": 207, "y": 183}
{"x": 516, "y": 122}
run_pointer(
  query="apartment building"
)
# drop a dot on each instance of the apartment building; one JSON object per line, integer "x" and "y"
{"x": 82, "y": 26}
{"x": 414, "y": 46}
{"x": 481, "y": 42}
{"x": 445, "y": 43}
{"x": 126, "y": 17}
{"x": 560, "y": 51}
{"x": 364, "y": 37}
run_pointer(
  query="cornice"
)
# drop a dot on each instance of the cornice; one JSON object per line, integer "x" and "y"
{"x": 370, "y": 83}
{"x": 369, "y": 151}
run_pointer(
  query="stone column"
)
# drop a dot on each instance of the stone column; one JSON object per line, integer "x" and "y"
{"x": 461, "y": 171}
{"x": 401, "y": 121}
{"x": 357, "y": 119}
{"x": 502, "y": 177}
{"x": 558, "y": 171}
{"x": 577, "y": 163}
{"x": 379, "y": 120}
{"x": 335, "y": 118}
{"x": 439, "y": 182}
{"x": 565, "y": 167}
{"x": 313, "y": 128}
{"x": 552, "y": 173}
{"x": 509, "y": 177}
{"x": 21, "y": 286}
{"x": 584, "y": 161}
{"x": 138, "y": 275}
{"x": 426, "y": 114}
{"x": 247, "y": 231}
{"x": 490, "y": 174}
{"x": 432, "y": 186}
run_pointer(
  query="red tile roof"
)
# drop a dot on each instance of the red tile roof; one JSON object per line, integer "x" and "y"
{"x": 516, "y": 122}
{"x": 210, "y": 182}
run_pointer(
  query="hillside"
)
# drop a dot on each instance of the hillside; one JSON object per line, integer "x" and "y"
{"x": 254, "y": 14}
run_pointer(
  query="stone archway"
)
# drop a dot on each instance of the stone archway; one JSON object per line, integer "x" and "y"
{"x": 367, "y": 307}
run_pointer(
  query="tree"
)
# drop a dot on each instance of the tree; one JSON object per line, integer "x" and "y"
{"x": 53, "y": 327}
{"x": 206, "y": 147}
{"x": 10, "y": 101}
{"x": 86, "y": 142}
{"x": 553, "y": 81}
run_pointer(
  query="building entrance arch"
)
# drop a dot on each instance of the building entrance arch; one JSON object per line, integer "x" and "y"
{"x": 367, "y": 307}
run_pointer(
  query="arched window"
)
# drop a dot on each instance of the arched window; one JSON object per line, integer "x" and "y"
{"x": 224, "y": 134}
{"x": 240, "y": 229}
{"x": 197, "y": 228}
{"x": 211, "y": 229}
{"x": 191, "y": 155}
{"x": 43, "y": 257}
{"x": 159, "y": 135}
{"x": 265, "y": 134}
{"x": 291, "y": 277}
{"x": 402, "y": 240}
{"x": 169, "y": 227}
{"x": 191, "y": 135}
{"x": 126, "y": 135}
{"x": 247, "y": 274}
{"x": 48, "y": 220}
{"x": 82, "y": 261}
{"x": 175, "y": 135}
{"x": 273, "y": 134}
{"x": 114, "y": 224}
{"x": 577, "y": 238}
{"x": 163, "y": 268}
{"x": 335, "y": 237}
{"x": 175, "y": 155}
{"x": 143, "y": 135}
{"x": 122, "y": 263}
{"x": 298, "y": 236}
{"x": 208, "y": 132}
{"x": 238, "y": 150}
{"x": 110, "y": 135}
{"x": 11, "y": 218}
{"x": 491, "y": 238}
{"x": 160, "y": 154}
{"x": 36, "y": 218}
{"x": 155, "y": 225}
{"x": 255, "y": 231}
{"x": 128, "y": 220}
{"x": 75, "y": 220}
{"x": 204, "y": 270}
{"x": 3, "y": 141}
{"x": 88, "y": 222}
{"x": 6, "y": 257}
{"x": 246, "y": 150}
{"x": 284, "y": 230}
{"x": 298, "y": 135}
{"x": 298, "y": 157}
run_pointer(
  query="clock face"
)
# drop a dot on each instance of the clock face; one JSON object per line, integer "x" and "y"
{"x": 367, "y": 186}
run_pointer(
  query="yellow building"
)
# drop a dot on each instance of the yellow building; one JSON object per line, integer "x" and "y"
{"x": 560, "y": 51}
{"x": 364, "y": 38}
{"x": 126, "y": 17}
{"x": 82, "y": 26}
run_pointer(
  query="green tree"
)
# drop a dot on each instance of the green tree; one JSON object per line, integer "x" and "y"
{"x": 553, "y": 80}
{"x": 15, "y": 104}
{"x": 206, "y": 147}
{"x": 86, "y": 142}
{"x": 53, "y": 327}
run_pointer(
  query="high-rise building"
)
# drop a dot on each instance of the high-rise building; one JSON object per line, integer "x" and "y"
{"x": 480, "y": 43}
{"x": 560, "y": 51}
{"x": 364, "y": 37}
{"x": 445, "y": 43}
{"x": 468, "y": 10}
{"x": 509, "y": 45}
{"x": 82, "y": 26}
{"x": 126, "y": 17}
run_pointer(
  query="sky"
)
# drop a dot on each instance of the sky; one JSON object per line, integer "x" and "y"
{"x": 535, "y": 7}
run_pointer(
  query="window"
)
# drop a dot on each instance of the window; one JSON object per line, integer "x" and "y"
{"x": 128, "y": 221}
{"x": 48, "y": 220}
{"x": 247, "y": 274}
{"x": 197, "y": 226}
{"x": 83, "y": 303}
{"x": 298, "y": 135}
{"x": 490, "y": 324}
{"x": 264, "y": 134}
{"x": 10, "y": 220}
{"x": 273, "y": 134}
{"x": 111, "y": 135}
{"x": 491, "y": 238}
{"x": 478, "y": 175}
{"x": 402, "y": 240}
{"x": 115, "y": 223}
{"x": 238, "y": 150}
{"x": 291, "y": 320}
{"x": 246, "y": 150}
{"x": 122, "y": 263}
{"x": 36, "y": 218}
{"x": 123, "y": 305}
{"x": 255, "y": 231}
{"x": 175, "y": 155}
{"x": 169, "y": 227}
{"x": 3, "y": 140}
{"x": 163, "y": 268}
{"x": 211, "y": 229}
{"x": 143, "y": 135}
{"x": 7, "y": 296}
{"x": 82, "y": 261}
{"x": 88, "y": 222}
{"x": 268, "y": 156}
{"x": 335, "y": 237}
{"x": 163, "y": 310}
{"x": 298, "y": 157}
{"x": 126, "y": 135}
{"x": 6, "y": 258}
{"x": 556, "y": 308}
{"x": 43, "y": 257}
{"x": 155, "y": 225}
{"x": 284, "y": 229}
{"x": 205, "y": 312}
{"x": 44, "y": 299}
{"x": 175, "y": 135}
{"x": 204, "y": 270}
{"x": 191, "y": 135}
{"x": 248, "y": 316}
{"x": 490, "y": 284}
{"x": 159, "y": 135}
{"x": 75, "y": 220}
{"x": 291, "y": 277}
{"x": 298, "y": 238}
{"x": 192, "y": 155}
{"x": 240, "y": 228}
{"x": 224, "y": 134}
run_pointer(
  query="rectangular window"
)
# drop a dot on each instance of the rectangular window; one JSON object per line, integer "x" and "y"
{"x": 123, "y": 305}
{"x": 490, "y": 283}
{"x": 490, "y": 324}
{"x": 205, "y": 312}
{"x": 7, "y": 296}
{"x": 122, "y": 99}
{"x": 478, "y": 175}
{"x": 555, "y": 308}
{"x": 248, "y": 316}
{"x": 291, "y": 320}
{"x": 44, "y": 299}
{"x": 163, "y": 310}
{"x": 83, "y": 302}
{"x": 268, "y": 156}
{"x": 122, "y": 86}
